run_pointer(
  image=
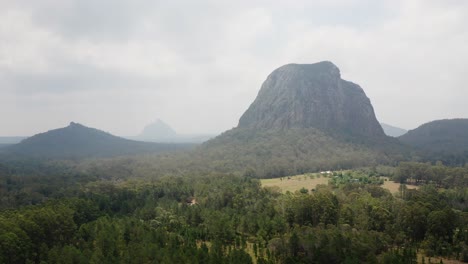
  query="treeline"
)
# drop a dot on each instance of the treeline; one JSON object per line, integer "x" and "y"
{"x": 270, "y": 154}
{"x": 426, "y": 173}
{"x": 110, "y": 224}
{"x": 30, "y": 182}
{"x": 56, "y": 233}
{"x": 448, "y": 157}
{"x": 223, "y": 218}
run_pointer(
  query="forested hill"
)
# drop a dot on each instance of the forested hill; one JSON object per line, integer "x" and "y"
{"x": 305, "y": 118}
{"x": 78, "y": 141}
{"x": 275, "y": 153}
{"x": 445, "y": 140}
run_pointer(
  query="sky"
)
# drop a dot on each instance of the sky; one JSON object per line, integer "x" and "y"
{"x": 118, "y": 65}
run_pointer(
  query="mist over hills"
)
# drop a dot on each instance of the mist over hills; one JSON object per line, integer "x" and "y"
{"x": 3, "y": 145}
{"x": 393, "y": 131}
{"x": 158, "y": 130}
{"x": 10, "y": 140}
{"x": 161, "y": 132}
{"x": 78, "y": 141}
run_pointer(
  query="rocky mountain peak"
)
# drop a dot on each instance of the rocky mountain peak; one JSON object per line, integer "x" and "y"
{"x": 74, "y": 125}
{"x": 312, "y": 96}
{"x": 323, "y": 68}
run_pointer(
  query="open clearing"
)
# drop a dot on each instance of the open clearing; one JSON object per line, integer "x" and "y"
{"x": 295, "y": 183}
{"x": 394, "y": 187}
{"x": 437, "y": 260}
{"x": 311, "y": 180}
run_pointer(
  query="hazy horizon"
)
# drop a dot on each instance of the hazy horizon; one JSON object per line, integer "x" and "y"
{"x": 120, "y": 65}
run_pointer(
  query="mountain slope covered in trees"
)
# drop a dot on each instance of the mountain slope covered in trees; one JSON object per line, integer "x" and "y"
{"x": 78, "y": 141}
{"x": 445, "y": 140}
{"x": 276, "y": 153}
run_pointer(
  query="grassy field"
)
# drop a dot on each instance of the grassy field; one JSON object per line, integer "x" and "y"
{"x": 295, "y": 183}
{"x": 436, "y": 260}
{"x": 394, "y": 187}
{"x": 311, "y": 180}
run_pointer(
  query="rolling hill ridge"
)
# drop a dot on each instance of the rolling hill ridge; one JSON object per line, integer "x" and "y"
{"x": 445, "y": 140}
{"x": 78, "y": 141}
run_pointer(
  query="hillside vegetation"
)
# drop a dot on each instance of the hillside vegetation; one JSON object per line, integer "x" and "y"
{"x": 276, "y": 153}
{"x": 444, "y": 140}
{"x": 77, "y": 141}
{"x": 53, "y": 213}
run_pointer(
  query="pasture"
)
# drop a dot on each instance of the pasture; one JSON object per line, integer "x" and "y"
{"x": 297, "y": 182}
{"x": 394, "y": 187}
{"x": 311, "y": 180}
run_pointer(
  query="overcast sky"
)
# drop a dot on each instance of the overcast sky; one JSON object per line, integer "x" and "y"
{"x": 118, "y": 65}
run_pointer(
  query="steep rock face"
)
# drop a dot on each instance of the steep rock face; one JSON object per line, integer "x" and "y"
{"x": 312, "y": 96}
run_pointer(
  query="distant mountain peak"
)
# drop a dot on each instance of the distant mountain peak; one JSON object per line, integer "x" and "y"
{"x": 312, "y": 96}
{"x": 74, "y": 125}
{"x": 393, "y": 131}
{"x": 78, "y": 125}
{"x": 158, "y": 130}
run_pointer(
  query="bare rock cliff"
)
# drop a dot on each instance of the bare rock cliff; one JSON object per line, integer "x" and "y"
{"x": 312, "y": 96}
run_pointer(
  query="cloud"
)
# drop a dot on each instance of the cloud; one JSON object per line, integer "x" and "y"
{"x": 87, "y": 19}
{"x": 118, "y": 64}
{"x": 411, "y": 66}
